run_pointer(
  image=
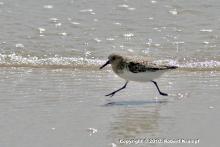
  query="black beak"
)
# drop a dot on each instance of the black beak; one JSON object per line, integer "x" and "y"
{"x": 108, "y": 62}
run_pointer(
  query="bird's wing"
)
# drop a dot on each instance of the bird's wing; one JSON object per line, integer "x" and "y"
{"x": 144, "y": 66}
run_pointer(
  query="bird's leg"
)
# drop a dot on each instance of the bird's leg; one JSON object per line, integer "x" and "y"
{"x": 113, "y": 93}
{"x": 161, "y": 93}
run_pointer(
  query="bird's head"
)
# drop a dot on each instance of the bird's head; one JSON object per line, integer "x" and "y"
{"x": 113, "y": 59}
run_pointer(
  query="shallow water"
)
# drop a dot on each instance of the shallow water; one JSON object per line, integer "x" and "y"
{"x": 52, "y": 93}
{"x": 65, "y": 33}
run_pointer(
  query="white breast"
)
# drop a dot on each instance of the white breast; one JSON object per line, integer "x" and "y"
{"x": 141, "y": 76}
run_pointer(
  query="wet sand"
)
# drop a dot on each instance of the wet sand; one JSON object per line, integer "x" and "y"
{"x": 65, "y": 107}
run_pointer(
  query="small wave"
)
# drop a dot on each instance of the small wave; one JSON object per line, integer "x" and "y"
{"x": 201, "y": 66}
{"x": 14, "y": 60}
{"x": 210, "y": 65}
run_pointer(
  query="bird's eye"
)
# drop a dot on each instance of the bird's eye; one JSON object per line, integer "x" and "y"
{"x": 113, "y": 58}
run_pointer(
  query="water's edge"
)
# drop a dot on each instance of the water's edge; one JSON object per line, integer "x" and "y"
{"x": 13, "y": 60}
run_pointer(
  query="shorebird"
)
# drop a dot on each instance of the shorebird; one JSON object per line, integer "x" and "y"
{"x": 140, "y": 70}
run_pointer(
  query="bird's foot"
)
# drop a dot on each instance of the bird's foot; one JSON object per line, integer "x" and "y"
{"x": 111, "y": 94}
{"x": 163, "y": 94}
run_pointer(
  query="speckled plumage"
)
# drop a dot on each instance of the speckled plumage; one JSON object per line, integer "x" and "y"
{"x": 136, "y": 65}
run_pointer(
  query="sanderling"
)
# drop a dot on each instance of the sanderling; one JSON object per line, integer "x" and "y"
{"x": 139, "y": 70}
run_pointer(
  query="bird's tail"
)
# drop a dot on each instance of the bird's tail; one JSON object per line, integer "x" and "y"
{"x": 171, "y": 67}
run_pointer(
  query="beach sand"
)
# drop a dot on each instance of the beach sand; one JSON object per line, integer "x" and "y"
{"x": 65, "y": 107}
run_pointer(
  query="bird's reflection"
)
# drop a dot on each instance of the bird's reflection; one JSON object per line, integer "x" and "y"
{"x": 135, "y": 103}
{"x": 138, "y": 119}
